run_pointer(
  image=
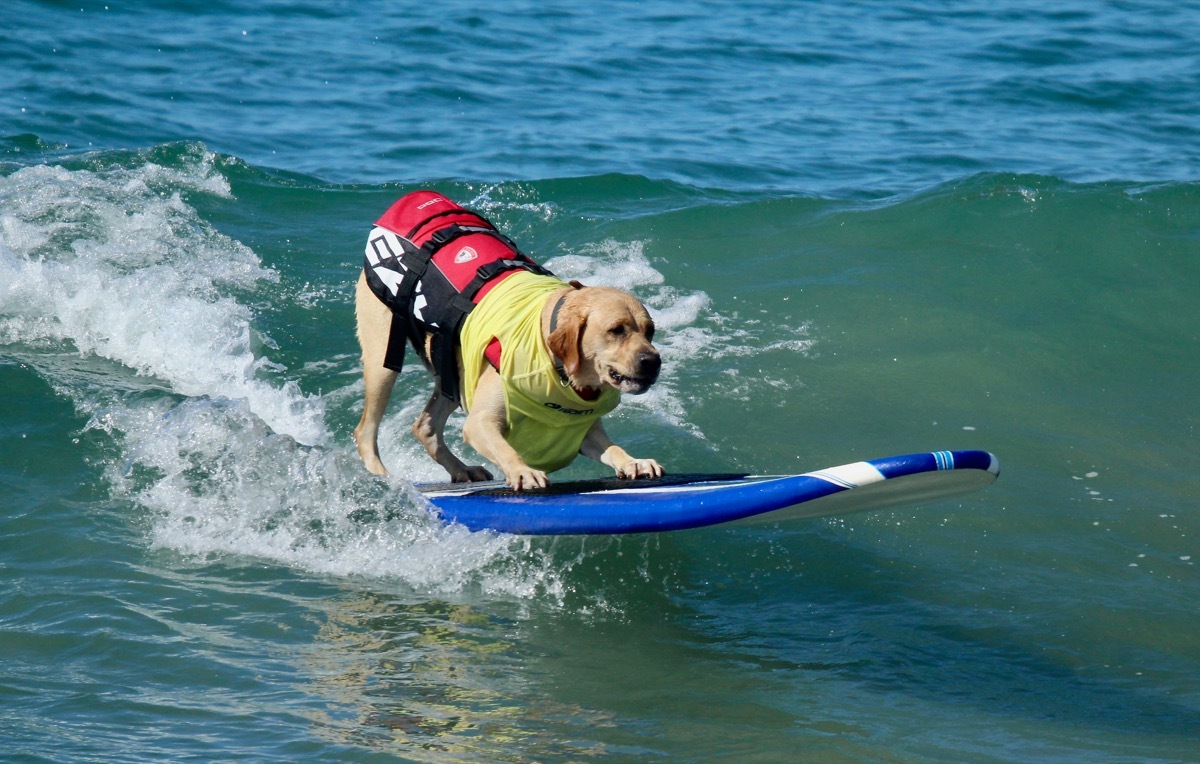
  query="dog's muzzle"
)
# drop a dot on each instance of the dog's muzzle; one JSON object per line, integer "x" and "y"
{"x": 646, "y": 366}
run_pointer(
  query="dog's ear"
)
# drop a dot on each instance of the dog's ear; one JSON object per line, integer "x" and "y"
{"x": 576, "y": 284}
{"x": 564, "y": 341}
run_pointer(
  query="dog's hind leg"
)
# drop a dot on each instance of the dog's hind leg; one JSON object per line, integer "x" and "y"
{"x": 374, "y": 324}
{"x": 378, "y": 382}
{"x": 429, "y": 429}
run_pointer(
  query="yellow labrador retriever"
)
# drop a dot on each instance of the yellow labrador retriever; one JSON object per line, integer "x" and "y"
{"x": 535, "y": 361}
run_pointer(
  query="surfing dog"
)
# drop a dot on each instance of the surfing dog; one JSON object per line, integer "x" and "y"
{"x": 535, "y": 361}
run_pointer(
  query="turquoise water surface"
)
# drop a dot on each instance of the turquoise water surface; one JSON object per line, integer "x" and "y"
{"x": 863, "y": 230}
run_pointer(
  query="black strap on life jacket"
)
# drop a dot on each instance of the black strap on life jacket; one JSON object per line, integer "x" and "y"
{"x": 407, "y": 328}
{"x": 445, "y": 342}
{"x": 404, "y": 323}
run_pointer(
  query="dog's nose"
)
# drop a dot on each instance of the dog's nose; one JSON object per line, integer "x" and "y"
{"x": 648, "y": 363}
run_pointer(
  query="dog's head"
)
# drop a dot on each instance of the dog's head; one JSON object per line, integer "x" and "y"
{"x": 603, "y": 337}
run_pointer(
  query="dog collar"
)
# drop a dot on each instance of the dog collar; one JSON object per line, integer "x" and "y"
{"x": 587, "y": 393}
{"x": 558, "y": 364}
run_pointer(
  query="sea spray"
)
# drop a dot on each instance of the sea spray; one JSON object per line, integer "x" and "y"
{"x": 114, "y": 262}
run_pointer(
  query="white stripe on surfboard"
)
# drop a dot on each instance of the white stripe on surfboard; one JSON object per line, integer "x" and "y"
{"x": 849, "y": 475}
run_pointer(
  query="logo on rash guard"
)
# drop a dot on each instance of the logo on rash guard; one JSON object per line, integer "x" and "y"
{"x": 565, "y": 410}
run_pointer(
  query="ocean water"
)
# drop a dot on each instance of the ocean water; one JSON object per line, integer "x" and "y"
{"x": 863, "y": 229}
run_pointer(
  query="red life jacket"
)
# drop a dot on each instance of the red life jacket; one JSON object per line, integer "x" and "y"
{"x": 431, "y": 261}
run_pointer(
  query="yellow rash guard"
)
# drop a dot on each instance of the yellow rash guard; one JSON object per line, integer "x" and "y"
{"x": 547, "y": 420}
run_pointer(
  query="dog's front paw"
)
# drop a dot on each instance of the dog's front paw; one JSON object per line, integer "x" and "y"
{"x": 470, "y": 474}
{"x": 639, "y": 468}
{"x": 526, "y": 479}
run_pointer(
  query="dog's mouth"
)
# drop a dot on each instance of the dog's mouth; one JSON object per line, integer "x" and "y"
{"x": 628, "y": 384}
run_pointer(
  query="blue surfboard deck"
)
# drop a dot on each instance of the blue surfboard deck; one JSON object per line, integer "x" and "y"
{"x": 677, "y": 502}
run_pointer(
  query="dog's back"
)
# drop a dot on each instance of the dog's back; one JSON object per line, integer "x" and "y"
{"x": 430, "y": 261}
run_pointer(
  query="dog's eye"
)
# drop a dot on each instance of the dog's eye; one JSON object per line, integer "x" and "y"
{"x": 617, "y": 331}
{"x": 649, "y": 333}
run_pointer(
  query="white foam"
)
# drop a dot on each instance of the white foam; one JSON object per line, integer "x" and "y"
{"x": 484, "y": 204}
{"x": 118, "y": 264}
{"x": 216, "y": 480}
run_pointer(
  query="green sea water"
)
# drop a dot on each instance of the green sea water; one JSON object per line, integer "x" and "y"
{"x": 195, "y": 567}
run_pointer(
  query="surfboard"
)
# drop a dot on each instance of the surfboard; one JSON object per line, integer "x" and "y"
{"x": 678, "y": 502}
